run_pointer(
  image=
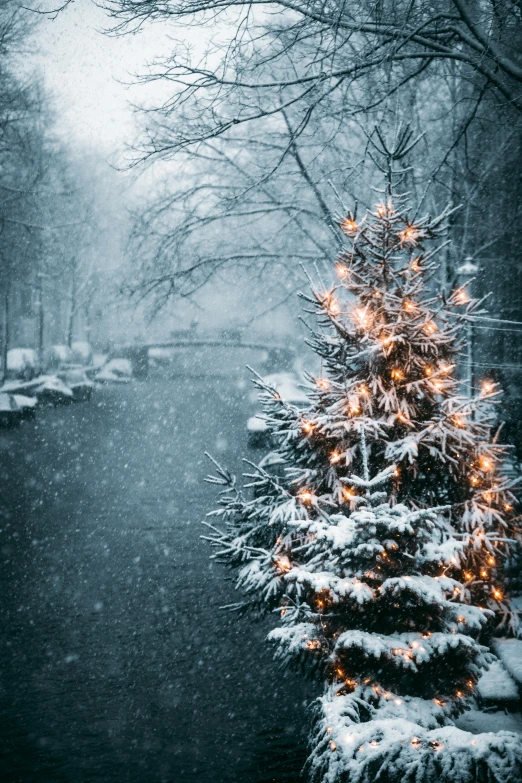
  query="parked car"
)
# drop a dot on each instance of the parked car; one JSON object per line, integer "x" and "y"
{"x": 48, "y": 389}
{"x": 77, "y": 381}
{"x": 27, "y": 405}
{"x": 51, "y": 390}
{"x": 10, "y": 413}
{"x": 287, "y": 386}
{"x": 115, "y": 371}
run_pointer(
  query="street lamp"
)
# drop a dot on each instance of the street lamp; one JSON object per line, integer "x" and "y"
{"x": 467, "y": 272}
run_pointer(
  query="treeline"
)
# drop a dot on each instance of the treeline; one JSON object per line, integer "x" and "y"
{"x": 51, "y": 278}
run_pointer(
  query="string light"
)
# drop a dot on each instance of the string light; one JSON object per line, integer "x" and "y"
{"x": 507, "y": 507}
{"x": 468, "y": 575}
{"x": 307, "y": 426}
{"x": 409, "y": 236}
{"x": 381, "y": 210}
{"x": 430, "y": 327}
{"x": 486, "y": 464}
{"x": 323, "y": 383}
{"x": 342, "y": 271}
{"x": 415, "y": 741}
{"x": 487, "y": 387}
{"x": 348, "y": 494}
{"x": 462, "y": 297}
{"x": 459, "y": 422}
{"x": 363, "y": 389}
{"x": 474, "y": 480}
{"x": 497, "y": 594}
{"x": 415, "y": 267}
{"x": 334, "y": 457}
{"x": 333, "y": 745}
{"x": 349, "y": 226}
{"x": 306, "y": 496}
{"x": 397, "y": 374}
{"x": 284, "y": 564}
{"x": 361, "y": 317}
{"x": 313, "y": 644}
{"x": 409, "y": 306}
{"x": 428, "y": 370}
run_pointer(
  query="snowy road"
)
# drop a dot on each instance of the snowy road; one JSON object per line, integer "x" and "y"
{"x": 116, "y": 663}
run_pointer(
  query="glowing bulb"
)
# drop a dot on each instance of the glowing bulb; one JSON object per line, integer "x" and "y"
{"x": 497, "y": 593}
{"x": 487, "y": 387}
{"x": 348, "y": 494}
{"x": 415, "y": 741}
{"x": 415, "y": 265}
{"x": 397, "y": 374}
{"x": 334, "y": 457}
{"x": 306, "y": 496}
{"x": 462, "y": 297}
{"x": 486, "y": 464}
{"x": 474, "y": 481}
{"x": 323, "y": 383}
{"x": 507, "y": 507}
{"x": 409, "y": 236}
{"x": 430, "y": 327}
{"x": 483, "y": 573}
{"x": 361, "y": 317}
{"x": 459, "y": 422}
{"x": 428, "y": 370}
{"x": 397, "y": 701}
{"x": 363, "y": 389}
{"x": 409, "y": 306}
{"x": 284, "y": 564}
{"x": 381, "y": 210}
{"x": 313, "y": 644}
{"x": 349, "y": 226}
{"x": 342, "y": 271}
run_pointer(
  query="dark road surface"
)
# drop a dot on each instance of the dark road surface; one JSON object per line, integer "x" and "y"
{"x": 116, "y": 663}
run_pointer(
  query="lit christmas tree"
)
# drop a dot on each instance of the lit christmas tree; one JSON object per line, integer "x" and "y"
{"x": 383, "y": 542}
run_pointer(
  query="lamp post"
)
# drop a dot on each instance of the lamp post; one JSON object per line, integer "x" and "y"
{"x": 467, "y": 272}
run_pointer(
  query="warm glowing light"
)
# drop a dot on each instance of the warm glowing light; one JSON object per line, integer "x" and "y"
{"x": 333, "y": 745}
{"x": 396, "y": 473}
{"x": 491, "y": 560}
{"x": 428, "y": 370}
{"x": 284, "y": 564}
{"x": 430, "y": 327}
{"x": 348, "y": 494}
{"x": 507, "y": 507}
{"x": 497, "y": 594}
{"x": 397, "y": 701}
{"x": 486, "y": 464}
{"x": 487, "y": 387}
{"x": 374, "y": 744}
{"x": 474, "y": 480}
{"x": 354, "y": 406}
{"x": 409, "y": 236}
{"x": 329, "y": 729}
{"x": 334, "y": 457}
{"x": 438, "y": 385}
{"x": 409, "y": 306}
{"x": 323, "y": 383}
{"x": 363, "y": 389}
{"x": 439, "y": 702}
{"x": 459, "y": 422}
{"x": 381, "y": 210}
{"x": 307, "y": 426}
{"x": 362, "y": 317}
{"x": 468, "y": 575}
{"x": 415, "y": 741}
{"x": 349, "y": 226}
{"x": 342, "y": 271}
{"x": 415, "y": 265}
{"x": 459, "y": 694}
{"x": 386, "y": 340}
{"x": 397, "y": 374}
{"x": 306, "y": 496}
{"x": 483, "y": 572}
{"x": 313, "y": 644}
{"x": 462, "y": 297}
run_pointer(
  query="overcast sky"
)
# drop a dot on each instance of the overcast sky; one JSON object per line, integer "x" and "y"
{"x": 81, "y": 68}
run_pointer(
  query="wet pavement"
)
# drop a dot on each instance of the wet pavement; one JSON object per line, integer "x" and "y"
{"x": 116, "y": 663}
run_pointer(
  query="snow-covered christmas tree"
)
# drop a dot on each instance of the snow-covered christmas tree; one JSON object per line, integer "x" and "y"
{"x": 382, "y": 543}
